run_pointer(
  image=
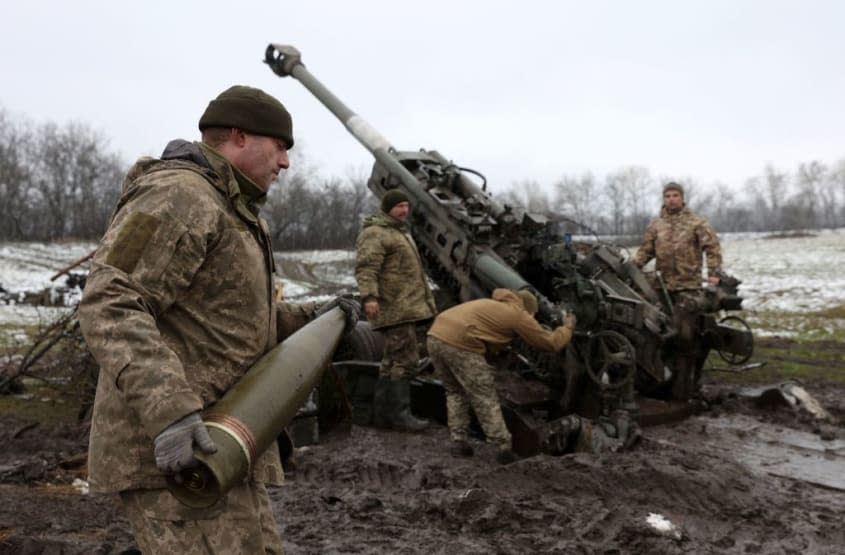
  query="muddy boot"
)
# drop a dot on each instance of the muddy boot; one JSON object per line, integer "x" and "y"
{"x": 382, "y": 404}
{"x": 401, "y": 417}
{"x": 461, "y": 449}
{"x": 506, "y": 456}
{"x": 682, "y": 384}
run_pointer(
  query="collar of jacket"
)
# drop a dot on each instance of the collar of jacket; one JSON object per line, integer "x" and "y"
{"x": 385, "y": 220}
{"x": 246, "y": 196}
{"x": 664, "y": 213}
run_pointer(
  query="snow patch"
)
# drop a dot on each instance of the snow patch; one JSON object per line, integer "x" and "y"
{"x": 663, "y": 525}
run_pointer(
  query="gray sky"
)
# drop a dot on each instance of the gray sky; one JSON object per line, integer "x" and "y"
{"x": 713, "y": 90}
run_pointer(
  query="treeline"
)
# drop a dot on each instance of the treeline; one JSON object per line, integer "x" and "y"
{"x": 55, "y": 182}
{"x": 306, "y": 211}
{"x": 624, "y": 202}
{"x": 62, "y": 183}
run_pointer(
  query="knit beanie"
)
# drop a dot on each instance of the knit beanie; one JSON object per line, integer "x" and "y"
{"x": 529, "y": 301}
{"x": 672, "y": 186}
{"x": 251, "y": 110}
{"x": 391, "y": 199}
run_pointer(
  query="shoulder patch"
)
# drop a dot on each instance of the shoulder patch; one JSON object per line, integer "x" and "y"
{"x": 133, "y": 237}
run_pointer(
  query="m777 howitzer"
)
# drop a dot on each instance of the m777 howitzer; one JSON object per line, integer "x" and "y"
{"x": 471, "y": 244}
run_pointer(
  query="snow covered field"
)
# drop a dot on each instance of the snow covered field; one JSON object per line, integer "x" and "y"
{"x": 305, "y": 276}
{"x": 801, "y": 274}
{"x": 789, "y": 276}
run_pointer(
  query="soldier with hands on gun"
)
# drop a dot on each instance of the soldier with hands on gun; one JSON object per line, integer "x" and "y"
{"x": 458, "y": 341}
{"x": 677, "y": 240}
{"x": 396, "y": 299}
{"x": 178, "y": 306}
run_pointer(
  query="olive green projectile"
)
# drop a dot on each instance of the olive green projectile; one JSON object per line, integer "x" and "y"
{"x": 249, "y": 417}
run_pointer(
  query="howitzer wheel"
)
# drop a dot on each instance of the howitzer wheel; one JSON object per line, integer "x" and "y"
{"x": 611, "y": 362}
{"x": 735, "y": 359}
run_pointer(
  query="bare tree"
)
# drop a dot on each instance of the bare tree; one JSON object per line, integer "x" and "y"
{"x": 55, "y": 181}
{"x": 576, "y": 198}
{"x": 14, "y": 178}
{"x": 614, "y": 193}
{"x": 809, "y": 179}
{"x": 777, "y": 183}
{"x": 837, "y": 183}
{"x": 526, "y": 196}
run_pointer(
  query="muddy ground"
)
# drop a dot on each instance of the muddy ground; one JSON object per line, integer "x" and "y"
{"x": 737, "y": 478}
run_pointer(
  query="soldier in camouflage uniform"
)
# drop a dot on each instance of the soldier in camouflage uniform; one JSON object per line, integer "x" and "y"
{"x": 396, "y": 299}
{"x": 677, "y": 240}
{"x": 178, "y": 306}
{"x": 458, "y": 341}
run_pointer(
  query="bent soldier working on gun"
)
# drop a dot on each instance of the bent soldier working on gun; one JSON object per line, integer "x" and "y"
{"x": 677, "y": 240}
{"x": 178, "y": 306}
{"x": 457, "y": 342}
{"x": 396, "y": 299}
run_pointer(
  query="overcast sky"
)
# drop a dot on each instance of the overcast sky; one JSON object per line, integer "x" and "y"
{"x": 713, "y": 90}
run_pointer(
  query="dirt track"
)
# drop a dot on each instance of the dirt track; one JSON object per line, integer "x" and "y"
{"x": 374, "y": 491}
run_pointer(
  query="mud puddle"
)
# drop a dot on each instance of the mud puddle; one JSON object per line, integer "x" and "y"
{"x": 779, "y": 451}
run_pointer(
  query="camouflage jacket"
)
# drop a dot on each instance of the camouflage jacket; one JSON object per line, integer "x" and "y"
{"x": 486, "y": 325}
{"x": 178, "y": 305}
{"x": 676, "y": 241}
{"x": 389, "y": 269}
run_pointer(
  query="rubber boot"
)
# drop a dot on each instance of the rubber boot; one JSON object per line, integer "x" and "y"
{"x": 682, "y": 385}
{"x": 461, "y": 448}
{"x": 402, "y": 419}
{"x": 382, "y": 404}
{"x": 506, "y": 456}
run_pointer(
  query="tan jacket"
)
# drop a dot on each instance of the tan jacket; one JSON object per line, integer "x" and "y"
{"x": 486, "y": 325}
{"x": 178, "y": 305}
{"x": 388, "y": 268}
{"x": 677, "y": 242}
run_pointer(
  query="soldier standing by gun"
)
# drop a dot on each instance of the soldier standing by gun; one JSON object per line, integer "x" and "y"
{"x": 178, "y": 306}
{"x": 457, "y": 343}
{"x": 677, "y": 240}
{"x": 396, "y": 298}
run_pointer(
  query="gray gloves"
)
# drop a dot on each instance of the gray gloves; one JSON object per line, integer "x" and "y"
{"x": 174, "y": 446}
{"x": 349, "y": 308}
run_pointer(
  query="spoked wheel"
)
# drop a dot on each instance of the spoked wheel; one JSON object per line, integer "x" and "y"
{"x": 738, "y": 352}
{"x": 612, "y": 361}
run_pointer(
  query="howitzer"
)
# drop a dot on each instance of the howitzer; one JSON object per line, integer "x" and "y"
{"x": 471, "y": 244}
{"x": 252, "y": 414}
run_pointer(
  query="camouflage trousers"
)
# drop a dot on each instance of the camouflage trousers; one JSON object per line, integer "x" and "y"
{"x": 470, "y": 383}
{"x": 242, "y": 522}
{"x": 687, "y": 358}
{"x": 401, "y": 352}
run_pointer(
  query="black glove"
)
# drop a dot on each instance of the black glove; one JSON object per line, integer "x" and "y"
{"x": 174, "y": 446}
{"x": 349, "y": 308}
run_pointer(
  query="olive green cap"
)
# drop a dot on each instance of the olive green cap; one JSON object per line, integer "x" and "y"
{"x": 529, "y": 301}
{"x": 251, "y": 110}
{"x": 391, "y": 199}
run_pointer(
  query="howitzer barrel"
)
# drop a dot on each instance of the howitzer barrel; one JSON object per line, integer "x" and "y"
{"x": 482, "y": 263}
{"x": 249, "y": 417}
{"x": 492, "y": 272}
{"x": 286, "y": 60}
